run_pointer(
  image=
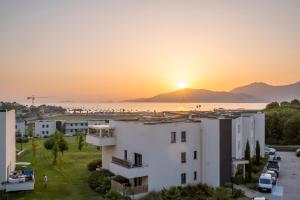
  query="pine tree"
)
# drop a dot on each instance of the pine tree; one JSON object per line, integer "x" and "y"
{"x": 257, "y": 153}
{"x": 248, "y": 166}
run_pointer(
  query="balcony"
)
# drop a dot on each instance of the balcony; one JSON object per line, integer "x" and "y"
{"x": 100, "y": 140}
{"x": 127, "y": 169}
{"x": 101, "y": 135}
{"x": 126, "y": 190}
{"x": 20, "y": 181}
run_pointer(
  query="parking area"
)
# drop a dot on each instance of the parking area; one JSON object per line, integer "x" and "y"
{"x": 288, "y": 185}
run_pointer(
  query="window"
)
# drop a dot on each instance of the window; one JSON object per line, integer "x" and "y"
{"x": 138, "y": 160}
{"x": 183, "y": 157}
{"x": 43, "y": 126}
{"x": 47, "y": 132}
{"x": 183, "y": 178}
{"x": 125, "y": 154}
{"x": 173, "y": 137}
{"x": 138, "y": 181}
{"x": 195, "y": 175}
{"x": 75, "y": 124}
{"x": 71, "y": 130}
{"x": 43, "y": 132}
{"x": 183, "y": 136}
{"x": 195, "y": 155}
{"x": 71, "y": 124}
{"x": 47, "y": 126}
{"x": 81, "y": 124}
{"x": 86, "y": 124}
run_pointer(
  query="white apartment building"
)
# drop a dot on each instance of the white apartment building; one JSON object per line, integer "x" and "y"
{"x": 21, "y": 127}
{"x": 7, "y": 144}
{"x": 80, "y": 126}
{"x": 45, "y": 128}
{"x": 159, "y": 152}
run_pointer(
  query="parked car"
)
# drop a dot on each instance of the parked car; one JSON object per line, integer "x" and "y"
{"x": 274, "y": 176}
{"x": 274, "y": 166}
{"x": 298, "y": 152}
{"x": 269, "y": 150}
{"x": 265, "y": 183}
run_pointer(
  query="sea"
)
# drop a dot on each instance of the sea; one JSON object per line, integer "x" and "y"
{"x": 153, "y": 107}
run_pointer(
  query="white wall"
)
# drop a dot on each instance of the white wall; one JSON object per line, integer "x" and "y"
{"x": 44, "y": 128}
{"x": 210, "y": 143}
{"x": 162, "y": 157}
{"x": 259, "y": 128}
{"x": 237, "y": 138}
{"x": 21, "y": 127}
{"x": 7, "y": 144}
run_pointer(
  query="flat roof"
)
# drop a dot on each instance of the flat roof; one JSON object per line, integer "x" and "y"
{"x": 100, "y": 127}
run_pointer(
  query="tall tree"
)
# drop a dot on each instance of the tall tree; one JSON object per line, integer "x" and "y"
{"x": 80, "y": 142}
{"x": 249, "y": 165}
{"x": 257, "y": 153}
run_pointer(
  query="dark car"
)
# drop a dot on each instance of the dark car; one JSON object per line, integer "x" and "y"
{"x": 298, "y": 152}
{"x": 274, "y": 166}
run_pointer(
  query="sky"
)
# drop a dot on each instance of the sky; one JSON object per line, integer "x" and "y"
{"x": 112, "y": 50}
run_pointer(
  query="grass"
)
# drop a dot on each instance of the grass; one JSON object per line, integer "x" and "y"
{"x": 67, "y": 180}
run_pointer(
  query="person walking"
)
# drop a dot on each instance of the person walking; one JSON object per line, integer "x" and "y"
{"x": 45, "y": 179}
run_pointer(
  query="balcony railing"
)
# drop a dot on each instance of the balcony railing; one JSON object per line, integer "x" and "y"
{"x": 128, "y": 190}
{"x": 125, "y": 163}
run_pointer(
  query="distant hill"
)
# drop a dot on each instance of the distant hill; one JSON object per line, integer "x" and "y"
{"x": 252, "y": 93}
{"x": 200, "y": 95}
{"x": 270, "y": 92}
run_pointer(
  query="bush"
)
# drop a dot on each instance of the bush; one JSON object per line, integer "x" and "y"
{"x": 122, "y": 180}
{"x": 237, "y": 193}
{"x": 114, "y": 195}
{"x": 94, "y": 164}
{"x": 22, "y": 140}
{"x": 99, "y": 181}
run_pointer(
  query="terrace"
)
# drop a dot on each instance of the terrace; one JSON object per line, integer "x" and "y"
{"x": 20, "y": 180}
{"x": 101, "y": 135}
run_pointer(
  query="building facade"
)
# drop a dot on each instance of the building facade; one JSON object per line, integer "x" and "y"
{"x": 46, "y": 128}
{"x": 80, "y": 126}
{"x": 7, "y": 144}
{"x": 156, "y": 153}
{"x": 21, "y": 128}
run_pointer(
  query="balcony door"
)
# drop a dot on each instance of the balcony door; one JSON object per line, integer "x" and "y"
{"x": 138, "y": 159}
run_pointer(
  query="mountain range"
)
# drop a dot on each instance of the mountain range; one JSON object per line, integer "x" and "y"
{"x": 257, "y": 92}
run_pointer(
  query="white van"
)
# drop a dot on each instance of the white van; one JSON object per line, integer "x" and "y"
{"x": 265, "y": 183}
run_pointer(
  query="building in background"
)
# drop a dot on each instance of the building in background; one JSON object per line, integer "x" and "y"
{"x": 175, "y": 149}
{"x": 7, "y": 144}
{"x": 21, "y": 128}
{"x": 80, "y": 126}
{"x": 46, "y": 128}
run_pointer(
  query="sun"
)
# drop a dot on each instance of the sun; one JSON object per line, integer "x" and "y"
{"x": 181, "y": 85}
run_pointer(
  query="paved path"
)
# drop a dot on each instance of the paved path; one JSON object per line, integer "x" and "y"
{"x": 288, "y": 185}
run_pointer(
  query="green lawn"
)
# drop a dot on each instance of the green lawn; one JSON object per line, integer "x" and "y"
{"x": 67, "y": 180}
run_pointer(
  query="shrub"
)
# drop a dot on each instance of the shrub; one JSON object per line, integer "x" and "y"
{"x": 237, "y": 193}
{"x": 99, "y": 181}
{"x": 94, "y": 164}
{"x": 114, "y": 195}
{"x": 122, "y": 180}
{"x": 22, "y": 140}
{"x": 152, "y": 196}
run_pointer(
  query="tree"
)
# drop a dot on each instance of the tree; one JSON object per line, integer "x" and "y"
{"x": 295, "y": 102}
{"x": 272, "y": 105}
{"x": 248, "y": 166}
{"x": 80, "y": 142}
{"x": 257, "y": 153}
{"x": 292, "y": 130}
{"x": 56, "y": 143}
{"x": 29, "y": 131}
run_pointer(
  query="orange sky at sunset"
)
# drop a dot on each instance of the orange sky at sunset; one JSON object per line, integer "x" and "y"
{"x": 113, "y": 50}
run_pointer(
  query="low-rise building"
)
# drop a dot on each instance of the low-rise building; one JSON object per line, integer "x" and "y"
{"x": 7, "y": 144}
{"x": 156, "y": 152}
{"x": 46, "y": 128}
{"x": 21, "y": 128}
{"x": 80, "y": 126}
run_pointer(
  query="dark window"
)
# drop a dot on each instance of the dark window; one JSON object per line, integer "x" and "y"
{"x": 183, "y": 157}
{"x": 138, "y": 181}
{"x": 75, "y": 124}
{"x": 195, "y": 175}
{"x": 43, "y": 126}
{"x": 125, "y": 154}
{"x": 47, "y": 126}
{"x": 138, "y": 159}
{"x": 81, "y": 124}
{"x": 183, "y": 136}
{"x": 195, "y": 155}
{"x": 71, "y": 124}
{"x": 86, "y": 124}
{"x": 43, "y": 132}
{"x": 47, "y": 132}
{"x": 183, "y": 178}
{"x": 71, "y": 130}
{"x": 173, "y": 137}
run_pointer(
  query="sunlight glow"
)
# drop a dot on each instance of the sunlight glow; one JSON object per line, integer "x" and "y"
{"x": 181, "y": 85}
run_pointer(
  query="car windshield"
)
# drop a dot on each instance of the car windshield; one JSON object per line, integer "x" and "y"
{"x": 271, "y": 153}
{"x": 265, "y": 181}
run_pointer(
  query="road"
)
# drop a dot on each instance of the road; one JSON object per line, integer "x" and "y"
{"x": 288, "y": 185}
